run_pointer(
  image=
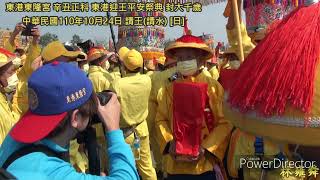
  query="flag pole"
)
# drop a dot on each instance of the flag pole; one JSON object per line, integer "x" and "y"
{"x": 238, "y": 27}
{"x": 114, "y": 42}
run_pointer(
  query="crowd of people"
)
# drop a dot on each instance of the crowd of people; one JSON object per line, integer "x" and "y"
{"x": 162, "y": 119}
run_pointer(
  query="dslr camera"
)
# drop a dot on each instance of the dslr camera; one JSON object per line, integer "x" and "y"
{"x": 27, "y": 30}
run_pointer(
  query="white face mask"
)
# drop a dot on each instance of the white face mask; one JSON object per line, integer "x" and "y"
{"x": 17, "y": 62}
{"x": 234, "y": 64}
{"x": 107, "y": 65}
{"x": 187, "y": 68}
{"x": 12, "y": 83}
{"x": 86, "y": 68}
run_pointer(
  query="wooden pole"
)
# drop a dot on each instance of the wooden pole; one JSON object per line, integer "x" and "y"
{"x": 237, "y": 23}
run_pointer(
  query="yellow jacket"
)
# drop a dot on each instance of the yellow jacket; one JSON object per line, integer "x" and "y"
{"x": 115, "y": 75}
{"x": 149, "y": 73}
{"x": 133, "y": 92}
{"x": 242, "y": 145}
{"x": 215, "y": 142}
{"x": 100, "y": 78}
{"x": 20, "y": 98}
{"x": 7, "y": 117}
{"x": 214, "y": 72}
{"x": 158, "y": 79}
{"x": 11, "y": 113}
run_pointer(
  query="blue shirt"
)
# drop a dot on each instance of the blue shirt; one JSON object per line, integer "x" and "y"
{"x": 38, "y": 166}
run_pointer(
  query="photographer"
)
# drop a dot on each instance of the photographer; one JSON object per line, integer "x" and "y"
{"x": 59, "y": 109}
{"x": 20, "y": 101}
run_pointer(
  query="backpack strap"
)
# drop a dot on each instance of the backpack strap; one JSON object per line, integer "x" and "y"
{"x": 31, "y": 149}
{"x": 259, "y": 147}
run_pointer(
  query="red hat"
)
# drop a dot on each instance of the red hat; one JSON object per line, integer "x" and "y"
{"x": 192, "y": 42}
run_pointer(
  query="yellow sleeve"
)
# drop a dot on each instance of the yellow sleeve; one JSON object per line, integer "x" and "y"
{"x": 247, "y": 44}
{"x": 99, "y": 84}
{"x": 77, "y": 158}
{"x": 8, "y": 46}
{"x": 26, "y": 70}
{"x": 163, "y": 131}
{"x": 20, "y": 99}
{"x": 217, "y": 141}
{"x": 7, "y": 119}
{"x": 214, "y": 73}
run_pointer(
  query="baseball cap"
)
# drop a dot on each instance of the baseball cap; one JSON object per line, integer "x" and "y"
{"x": 53, "y": 90}
{"x": 133, "y": 60}
{"x": 56, "y": 49}
{"x": 122, "y": 52}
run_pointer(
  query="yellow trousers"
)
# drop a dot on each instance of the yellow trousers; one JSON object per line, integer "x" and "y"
{"x": 144, "y": 165}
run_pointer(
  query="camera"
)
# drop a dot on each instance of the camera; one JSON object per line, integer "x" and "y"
{"x": 104, "y": 97}
{"x": 86, "y": 46}
{"x": 89, "y": 137}
{"x": 27, "y": 30}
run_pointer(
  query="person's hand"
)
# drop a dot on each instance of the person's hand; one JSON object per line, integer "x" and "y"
{"x": 184, "y": 158}
{"x": 110, "y": 113}
{"x": 201, "y": 153}
{"x": 35, "y": 32}
{"x": 172, "y": 149}
{"x": 19, "y": 27}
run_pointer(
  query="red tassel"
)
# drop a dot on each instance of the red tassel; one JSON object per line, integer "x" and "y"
{"x": 281, "y": 69}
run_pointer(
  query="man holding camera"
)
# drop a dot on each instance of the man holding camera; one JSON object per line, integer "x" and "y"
{"x": 59, "y": 110}
{"x": 20, "y": 101}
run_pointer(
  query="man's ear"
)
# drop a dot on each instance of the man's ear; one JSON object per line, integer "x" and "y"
{"x": 75, "y": 119}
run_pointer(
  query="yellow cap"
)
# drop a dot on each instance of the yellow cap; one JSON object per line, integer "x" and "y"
{"x": 133, "y": 60}
{"x": 56, "y": 49}
{"x": 122, "y": 52}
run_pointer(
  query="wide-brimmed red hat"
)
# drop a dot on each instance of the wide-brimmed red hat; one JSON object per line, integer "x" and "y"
{"x": 192, "y": 42}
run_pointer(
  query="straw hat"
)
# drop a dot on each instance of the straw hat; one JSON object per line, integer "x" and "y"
{"x": 5, "y": 57}
{"x": 192, "y": 42}
{"x": 96, "y": 53}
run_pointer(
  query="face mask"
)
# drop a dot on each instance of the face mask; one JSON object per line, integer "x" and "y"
{"x": 107, "y": 66}
{"x": 86, "y": 68}
{"x": 17, "y": 62}
{"x": 12, "y": 83}
{"x": 234, "y": 64}
{"x": 187, "y": 68}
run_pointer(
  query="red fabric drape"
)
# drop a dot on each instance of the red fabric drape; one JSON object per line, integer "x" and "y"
{"x": 189, "y": 100}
